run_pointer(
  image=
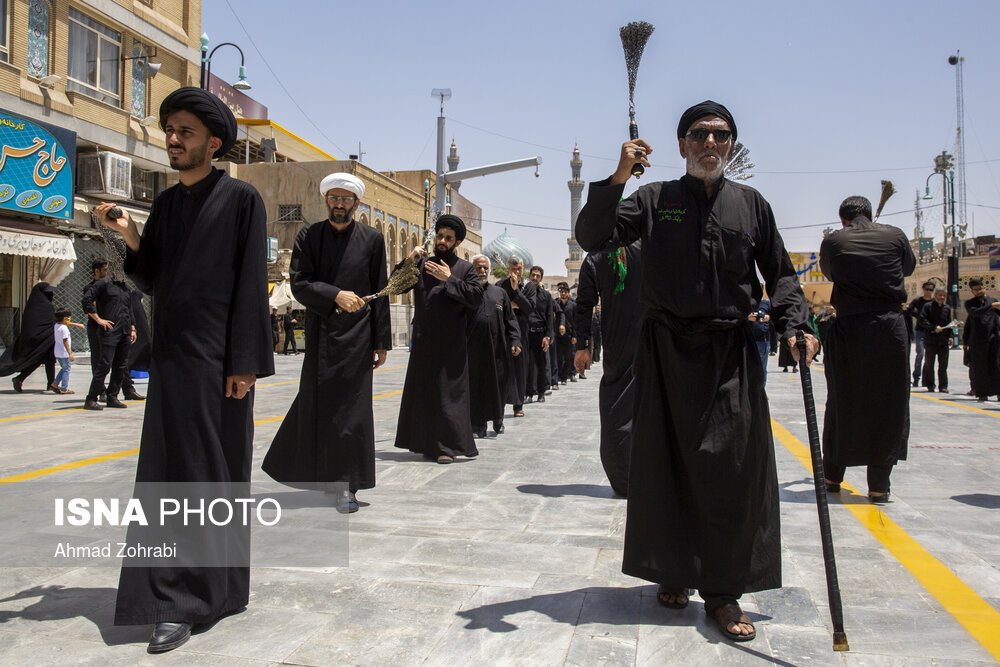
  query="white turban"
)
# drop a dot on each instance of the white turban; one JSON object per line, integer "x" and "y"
{"x": 344, "y": 182}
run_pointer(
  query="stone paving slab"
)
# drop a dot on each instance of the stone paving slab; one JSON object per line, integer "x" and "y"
{"x": 514, "y": 558}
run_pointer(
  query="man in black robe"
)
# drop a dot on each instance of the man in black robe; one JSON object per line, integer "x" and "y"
{"x": 981, "y": 341}
{"x": 912, "y": 312}
{"x": 203, "y": 257}
{"x": 866, "y": 347}
{"x": 703, "y": 491}
{"x": 935, "y": 320}
{"x": 596, "y": 337}
{"x": 108, "y": 304}
{"x": 34, "y": 346}
{"x": 621, "y": 314}
{"x": 567, "y": 335}
{"x": 541, "y": 333}
{"x": 494, "y": 346}
{"x": 434, "y": 410}
{"x": 521, "y": 295}
{"x": 288, "y": 321}
{"x": 328, "y": 435}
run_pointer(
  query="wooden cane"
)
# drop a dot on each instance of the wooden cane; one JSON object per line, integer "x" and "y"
{"x": 819, "y": 481}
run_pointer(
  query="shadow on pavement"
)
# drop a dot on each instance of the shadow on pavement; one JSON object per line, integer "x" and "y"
{"x": 984, "y": 500}
{"x": 60, "y": 602}
{"x": 560, "y": 490}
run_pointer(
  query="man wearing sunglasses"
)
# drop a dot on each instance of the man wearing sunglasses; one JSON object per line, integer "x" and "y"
{"x": 327, "y": 441}
{"x": 913, "y": 311}
{"x": 702, "y": 490}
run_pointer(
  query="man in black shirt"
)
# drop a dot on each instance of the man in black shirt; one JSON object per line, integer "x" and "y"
{"x": 110, "y": 331}
{"x": 934, "y": 320}
{"x": 567, "y": 337}
{"x": 866, "y": 346}
{"x": 275, "y": 328}
{"x": 912, "y": 312}
{"x": 540, "y": 337}
{"x": 289, "y": 322}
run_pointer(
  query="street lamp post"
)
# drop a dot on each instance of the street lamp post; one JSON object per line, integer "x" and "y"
{"x": 942, "y": 165}
{"x": 206, "y": 64}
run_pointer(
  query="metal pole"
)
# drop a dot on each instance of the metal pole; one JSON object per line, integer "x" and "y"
{"x": 440, "y": 187}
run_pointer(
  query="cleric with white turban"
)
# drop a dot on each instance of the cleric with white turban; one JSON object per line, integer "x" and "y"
{"x": 342, "y": 181}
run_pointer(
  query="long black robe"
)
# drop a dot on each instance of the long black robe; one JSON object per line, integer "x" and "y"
{"x": 518, "y": 386}
{"x": 493, "y": 331}
{"x": 982, "y": 335}
{"x": 139, "y": 352}
{"x": 621, "y": 316}
{"x": 203, "y": 258}
{"x": 35, "y": 343}
{"x": 329, "y": 432}
{"x": 867, "y": 362}
{"x": 703, "y": 490}
{"x": 540, "y": 325}
{"x": 434, "y": 410}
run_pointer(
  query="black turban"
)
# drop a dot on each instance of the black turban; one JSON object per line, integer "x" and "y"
{"x": 212, "y": 111}
{"x": 451, "y": 222}
{"x": 706, "y": 108}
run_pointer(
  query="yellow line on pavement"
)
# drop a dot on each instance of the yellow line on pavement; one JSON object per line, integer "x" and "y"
{"x": 117, "y": 455}
{"x": 958, "y": 405}
{"x": 67, "y": 466}
{"x": 71, "y": 410}
{"x": 974, "y": 613}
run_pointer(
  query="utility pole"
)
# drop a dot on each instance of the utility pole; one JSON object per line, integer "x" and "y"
{"x": 957, "y": 61}
{"x": 446, "y": 177}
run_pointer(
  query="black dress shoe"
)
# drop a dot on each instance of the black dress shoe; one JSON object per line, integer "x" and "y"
{"x": 541, "y": 398}
{"x": 92, "y": 404}
{"x": 113, "y": 402}
{"x": 17, "y": 384}
{"x": 572, "y": 379}
{"x": 498, "y": 428}
{"x": 347, "y": 503}
{"x": 479, "y": 432}
{"x": 133, "y": 396}
{"x": 168, "y": 636}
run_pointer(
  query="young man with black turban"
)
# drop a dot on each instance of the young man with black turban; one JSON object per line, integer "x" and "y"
{"x": 703, "y": 490}
{"x": 434, "y": 410}
{"x": 202, "y": 256}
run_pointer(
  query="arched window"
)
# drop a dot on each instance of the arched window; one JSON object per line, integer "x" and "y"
{"x": 390, "y": 241}
{"x": 38, "y": 37}
{"x": 364, "y": 220}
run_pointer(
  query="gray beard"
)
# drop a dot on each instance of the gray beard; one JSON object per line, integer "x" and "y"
{"x": 695, "y": 170}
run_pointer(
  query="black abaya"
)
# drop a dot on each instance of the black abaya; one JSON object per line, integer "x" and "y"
{"x": 703, "y": 492}
{"x": 434, "y": 410}
{"x": 34, "y": 346}
{"x": 493, "y": 331}
{"x": 203, "y": 258}
{"x": 621, "y": 316}
{"x": 329, "y": 432}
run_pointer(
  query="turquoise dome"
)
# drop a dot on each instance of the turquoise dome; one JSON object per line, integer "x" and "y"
{"x": 505, "y": 246}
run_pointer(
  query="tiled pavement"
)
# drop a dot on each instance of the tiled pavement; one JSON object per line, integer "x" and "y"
{"x": 514, "y": 558}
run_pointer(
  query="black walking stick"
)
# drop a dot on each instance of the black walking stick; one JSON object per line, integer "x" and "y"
{"x": 832, "y": 586}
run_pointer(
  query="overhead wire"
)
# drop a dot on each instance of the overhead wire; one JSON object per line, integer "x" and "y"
{"x": 280, "y": 83}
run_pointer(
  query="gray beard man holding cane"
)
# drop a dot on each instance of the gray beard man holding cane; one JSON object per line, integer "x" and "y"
{"x": 703, "y": 492}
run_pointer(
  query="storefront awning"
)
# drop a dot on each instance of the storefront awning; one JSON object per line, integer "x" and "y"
{"x": 33, "y": 244}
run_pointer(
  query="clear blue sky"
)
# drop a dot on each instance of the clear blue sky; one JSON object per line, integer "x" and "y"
{"x": 829, "y": 97}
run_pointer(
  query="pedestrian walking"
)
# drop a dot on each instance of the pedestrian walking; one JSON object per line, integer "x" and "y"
{"x": 703, "y": 491}
{"x": 866, "y": 347}
{"x": 203, "y": 256}
{"x": 327, "y": 439}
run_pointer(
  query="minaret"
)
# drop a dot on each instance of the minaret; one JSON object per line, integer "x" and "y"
{"x": 453, "y": 163}
{"x": 575, "y": 259}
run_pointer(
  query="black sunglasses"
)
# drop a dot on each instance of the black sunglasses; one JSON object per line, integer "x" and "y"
{"x": 701, "y": 134}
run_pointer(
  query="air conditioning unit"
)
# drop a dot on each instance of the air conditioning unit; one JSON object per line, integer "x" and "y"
{"x": 104, "y": 174}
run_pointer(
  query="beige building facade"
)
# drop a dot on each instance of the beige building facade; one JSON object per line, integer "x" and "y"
{"x": 80, "y": 83}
